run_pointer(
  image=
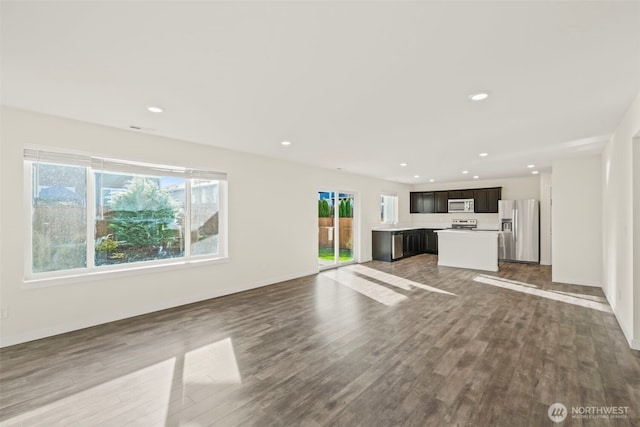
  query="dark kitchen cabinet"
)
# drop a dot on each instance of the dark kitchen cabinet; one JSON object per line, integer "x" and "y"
{"x": 486, "y": 199}
{"x": 493, "y": 195}
{"x": 389, "y": 245}
{"x": 381, "y": 245}
{"x": 429, "y": 202}
{"x": 431, "y": 241}
{"x": 422, "y": 202}
{"x": 480, "y": 200}
{"x": 416, "y": 203}
{"x": 461, "y": 194}
{"x": 412, "y": 240}
{"x": 442, "y": 201}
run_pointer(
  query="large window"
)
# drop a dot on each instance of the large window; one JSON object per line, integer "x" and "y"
{"x": 90, "y": 214}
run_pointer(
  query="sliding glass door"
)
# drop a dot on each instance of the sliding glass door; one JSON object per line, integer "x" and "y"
{"x": 335, "y": 228}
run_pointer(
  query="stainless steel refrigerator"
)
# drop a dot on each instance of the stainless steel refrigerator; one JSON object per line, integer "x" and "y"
{"x": 519, "y": 234}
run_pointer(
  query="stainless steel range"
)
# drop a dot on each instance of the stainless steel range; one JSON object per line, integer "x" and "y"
{"x": 464, "y": 224}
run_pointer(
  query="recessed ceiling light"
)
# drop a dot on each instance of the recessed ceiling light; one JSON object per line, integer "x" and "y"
{"x": 403, "y": 164}
{"x": 479, "y": 96}
{"x": 153, "y": 109}
{"x": 535, "y": 172}
{"x": 476, "y": 177}
{"x": 465, "y": 172}
{"x": 483, "y": 154}
{"x": 531, "y": 166}
{"x": 416, "y": 176}
{"x": 431, "y": 180}
{"x": 285, "y": 143}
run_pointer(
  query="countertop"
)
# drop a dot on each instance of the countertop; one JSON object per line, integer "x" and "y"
{"x": 487, "y": 226}
{"x": 459, "y": 231}
{"x": 439, "y": 227}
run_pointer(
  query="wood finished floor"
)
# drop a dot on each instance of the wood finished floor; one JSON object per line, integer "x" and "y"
{"x": 315, "y": 352}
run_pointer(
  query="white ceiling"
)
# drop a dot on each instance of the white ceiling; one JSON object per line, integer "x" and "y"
{"x": 362, "y": 86}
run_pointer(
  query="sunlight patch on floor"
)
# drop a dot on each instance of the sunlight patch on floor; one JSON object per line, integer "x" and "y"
{"x": 365, "y": 287}
{"x": 150, "y": 386}
{"x": 393, "y": 280}
{"x": 534, "y": 290}
{"x": 588, "y": 297}
{"x": 214, "y": 362}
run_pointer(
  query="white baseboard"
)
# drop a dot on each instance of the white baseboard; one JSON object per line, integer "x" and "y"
{"x": 10, "y": 340}
{"x": 574, "y": 281}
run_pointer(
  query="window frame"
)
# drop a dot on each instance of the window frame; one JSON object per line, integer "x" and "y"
{"x": 91, "y": 270}
{"x": 395, "y": 209}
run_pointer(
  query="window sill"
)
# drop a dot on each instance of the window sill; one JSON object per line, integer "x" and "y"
{"x": 37, "y": 283}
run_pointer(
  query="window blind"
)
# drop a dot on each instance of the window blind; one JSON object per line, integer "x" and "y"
{"x": 120, "y": 166}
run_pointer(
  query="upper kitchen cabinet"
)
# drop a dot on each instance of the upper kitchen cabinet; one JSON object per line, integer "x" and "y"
{"x": 493, "y": 195}
{"x": 480, "y": 200}
{"x": 442, "y": 201}
{"x": 415, "y": 203}
{"x": 486, "y": 199}
{"x": 429, "y": 202}
{"x": 461, "y": 194}
{"x": 455, "y": 194}
{"x": 422, "y": 202}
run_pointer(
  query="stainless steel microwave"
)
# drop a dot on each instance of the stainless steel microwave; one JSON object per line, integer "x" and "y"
{"x": 460, "y": 205}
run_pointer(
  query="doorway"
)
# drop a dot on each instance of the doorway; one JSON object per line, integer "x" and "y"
{"x": 336, "y": 216}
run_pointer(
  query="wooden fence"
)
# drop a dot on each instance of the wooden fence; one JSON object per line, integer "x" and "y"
{"x": 327, "y": 232}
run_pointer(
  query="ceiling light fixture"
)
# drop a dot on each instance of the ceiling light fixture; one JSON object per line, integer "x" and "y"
{"x": 431, "y": 180}
{"x": 416, "y": 176}
{"x": 403, "y": 164}
{"x": 465, "y": 172}
{"x": 535, "y": 172}
{"x": 285, "y": 143}
{"x": 476, "y": 177}
{"x": 153, "y": 109}
{"x": 479, "y": 96}
{"x": 483, "y": 154}
{"x": 531, "y": 166}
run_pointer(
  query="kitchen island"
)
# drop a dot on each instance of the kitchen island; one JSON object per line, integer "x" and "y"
{"x": 472, "y": 249}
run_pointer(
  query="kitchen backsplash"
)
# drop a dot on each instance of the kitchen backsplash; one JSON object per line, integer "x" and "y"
{"x": 485, "y": 221}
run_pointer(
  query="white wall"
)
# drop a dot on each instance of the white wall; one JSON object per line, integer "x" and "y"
{"x": 512, "y": 189}
{"x": 545, "y": 218}
{"x": 265, "y": 245}
{"x": 621, "y": 243}
{"x": 577, "y": 221}
{"x": 636, "y": 239}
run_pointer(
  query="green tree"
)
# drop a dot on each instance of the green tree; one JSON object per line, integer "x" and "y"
{"x": 143, "y": 213}
{"x": 324, "y": 211}
{"x": 344, "y": 208}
